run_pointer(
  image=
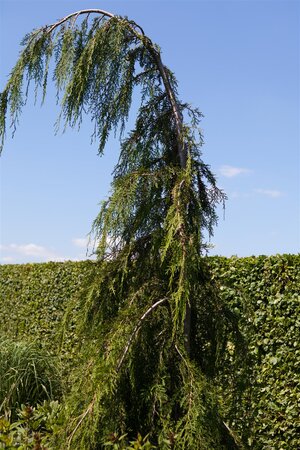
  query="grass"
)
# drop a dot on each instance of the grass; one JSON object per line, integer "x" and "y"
{"x": 28, "y": 376}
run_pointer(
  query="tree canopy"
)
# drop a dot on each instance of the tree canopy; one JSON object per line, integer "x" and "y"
{"x": 147, "y": 366}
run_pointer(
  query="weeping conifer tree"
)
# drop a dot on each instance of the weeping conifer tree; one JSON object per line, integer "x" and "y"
{"x": 152, "y": 325}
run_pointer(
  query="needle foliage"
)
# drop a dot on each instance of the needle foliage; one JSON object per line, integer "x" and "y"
{"x": 147, "y": 368}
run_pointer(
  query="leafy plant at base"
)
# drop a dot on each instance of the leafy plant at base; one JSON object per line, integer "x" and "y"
{"x": 143, "y": 373}
{"x": 33, "y": 428}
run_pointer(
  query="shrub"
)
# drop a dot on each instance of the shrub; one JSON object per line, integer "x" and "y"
{"x": 32, "y": 429}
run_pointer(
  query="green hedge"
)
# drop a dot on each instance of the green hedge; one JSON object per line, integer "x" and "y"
{"x": 33, "y": 302}
{"x": 262, "y": 291}
{"x": 265, "y": 293}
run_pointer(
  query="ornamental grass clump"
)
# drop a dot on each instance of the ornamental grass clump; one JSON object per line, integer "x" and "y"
{"x": 28, "y": 376}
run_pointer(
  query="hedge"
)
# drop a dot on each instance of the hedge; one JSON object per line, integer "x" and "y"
{"x": 34, "y": 299}
{"x": 263, "y": 292}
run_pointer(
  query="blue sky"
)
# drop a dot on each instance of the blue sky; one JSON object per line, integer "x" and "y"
{"x": 238, "y": 61}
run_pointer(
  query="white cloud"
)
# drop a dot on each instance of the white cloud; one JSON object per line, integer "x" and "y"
{"x": 230, "y": 171}
{"x": 7, "y": 259}
{"x": 80, "y": 242}
{"x": 236, "y": 194}
{"x": 269, "y": 193}
{"x": 29, "y": 249}
{"x": 28, "y": 253}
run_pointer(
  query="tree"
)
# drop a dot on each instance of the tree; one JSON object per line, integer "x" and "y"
{"x": 147, "y": 363}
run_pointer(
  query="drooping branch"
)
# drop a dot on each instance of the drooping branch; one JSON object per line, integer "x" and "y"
{"x": 107, "y": 93}
{"x": 138, "y": 32}
{"x": 50, "y": 28}
{"x": 181, "y": 147}
{"x": 81, "y": 418}
{"x": 136, "y": 330}
{"x": 133, "y": 27}
{"x": 182, "y": 153}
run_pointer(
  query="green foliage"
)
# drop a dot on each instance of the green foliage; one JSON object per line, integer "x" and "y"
{"x": 143, "y": 374}
{"x": 264, "y": 294}
{"x": 33, "y": 301}
{"x": 142, "y": 365}
{"x": 116, "y": 442}
{"x": 260, "y": 402}
{"x": 27, "y": 376}
{"x": 150, "y": 231}
{"x": 33, "y": 428}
